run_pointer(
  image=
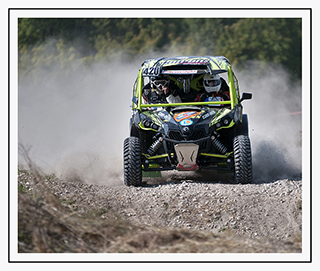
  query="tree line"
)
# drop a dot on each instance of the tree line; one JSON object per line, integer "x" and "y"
{"x": 89, "y": 40}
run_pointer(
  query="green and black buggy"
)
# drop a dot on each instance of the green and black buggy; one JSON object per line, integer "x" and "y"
{"x": 189, "y": 135}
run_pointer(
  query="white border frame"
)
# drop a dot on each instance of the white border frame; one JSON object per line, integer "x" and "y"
{"x": 264, "y": 13}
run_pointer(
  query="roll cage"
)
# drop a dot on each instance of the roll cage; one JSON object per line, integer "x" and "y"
{"x": 185, "y": 66}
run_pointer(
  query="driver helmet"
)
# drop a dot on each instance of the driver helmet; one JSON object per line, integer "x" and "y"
{"x": 158, "y": 82}
{"x": 212, "y": 82}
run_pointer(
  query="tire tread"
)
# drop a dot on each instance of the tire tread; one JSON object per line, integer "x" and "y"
{"x": 242, "y": 159}
{"x": 132, "y": 161}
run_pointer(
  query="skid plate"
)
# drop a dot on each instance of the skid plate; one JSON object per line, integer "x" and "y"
{"x": 187, "y": 155}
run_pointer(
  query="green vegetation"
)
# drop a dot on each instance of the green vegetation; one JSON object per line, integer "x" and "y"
{"x": 45, "y": 43}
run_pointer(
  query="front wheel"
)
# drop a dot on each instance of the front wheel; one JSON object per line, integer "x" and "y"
{"x": 242, "y": 159}
{"x": 132, "y": 161}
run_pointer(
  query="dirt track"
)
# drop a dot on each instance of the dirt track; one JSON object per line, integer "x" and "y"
{"x": 266, "y": 209}
{"x": 270, "y": 210}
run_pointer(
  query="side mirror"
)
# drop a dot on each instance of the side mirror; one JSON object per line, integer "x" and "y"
{"x": 245, "y": 96}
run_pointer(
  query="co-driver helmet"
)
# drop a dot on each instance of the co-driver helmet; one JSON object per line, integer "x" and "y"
{"x": 212, "y": 82}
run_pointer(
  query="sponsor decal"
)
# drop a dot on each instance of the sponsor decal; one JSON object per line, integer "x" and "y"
{"x": 185, "y": 62}
{"x": 185, "y": 115}
{"x": 208, "y": 114}
{"x": 164, "y": 116}
{"x": 180, "y": 72}
{"x": 186, "y": 122}
{"x": 214, "y": 99}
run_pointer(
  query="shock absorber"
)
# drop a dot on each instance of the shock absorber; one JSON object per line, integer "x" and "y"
{"x": 218, "y": 145}
{"x": 155, "y": 146}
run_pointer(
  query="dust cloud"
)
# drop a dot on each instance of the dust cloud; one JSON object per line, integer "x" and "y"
{"x": 275, "y": 120}
{"x": 73, "y": 125}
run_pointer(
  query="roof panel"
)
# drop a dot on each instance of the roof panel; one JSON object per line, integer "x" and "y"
{"x": 214, "y": 64}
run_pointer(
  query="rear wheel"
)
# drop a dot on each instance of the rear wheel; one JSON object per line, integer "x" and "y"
{"x": 132, "y": 161}
{"x": 242, "y": 159}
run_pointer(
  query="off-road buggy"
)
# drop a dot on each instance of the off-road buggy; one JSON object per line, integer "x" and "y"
{"x": 189, "y": 135}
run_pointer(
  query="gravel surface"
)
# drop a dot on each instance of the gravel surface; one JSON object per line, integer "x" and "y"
{"x": 270, "y": 209}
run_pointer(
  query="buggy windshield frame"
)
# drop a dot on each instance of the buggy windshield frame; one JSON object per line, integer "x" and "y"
{"x": 185, "y": 66}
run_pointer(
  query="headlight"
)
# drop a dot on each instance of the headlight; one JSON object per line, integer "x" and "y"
{"x": 223, "y": 122}
{"x": 147, "y": 123}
